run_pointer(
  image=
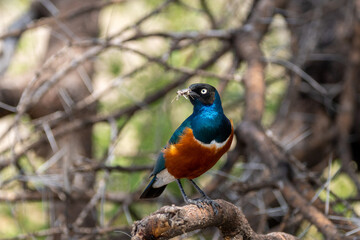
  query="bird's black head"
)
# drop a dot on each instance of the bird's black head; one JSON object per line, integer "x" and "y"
{"x": 202, "y": 92}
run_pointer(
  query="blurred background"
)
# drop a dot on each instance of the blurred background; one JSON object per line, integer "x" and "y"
{"x": 88, "y": 99}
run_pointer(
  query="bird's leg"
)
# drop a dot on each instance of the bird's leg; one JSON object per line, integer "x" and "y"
{"x": 187, "y": 200}
{"x": 200, "y": 201}
{"x": 205, "y": 197}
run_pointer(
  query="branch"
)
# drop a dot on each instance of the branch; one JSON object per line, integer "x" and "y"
{"x": 273, "y": 156}
{"x": 195, "y": 36}
{"x": 101, "y": 166}
{"x": 16, "y": 32}
{"x": 171, "y": 221}
{"x": 20, "y": 196}
{"x": 209, "y": 14}
{"x": 58, "y": 230}
{"x": 10, "y": 44}
{"x": 248, "y": 47}
{"x": 345, "y": 118}
{"x": 310, "y": 212}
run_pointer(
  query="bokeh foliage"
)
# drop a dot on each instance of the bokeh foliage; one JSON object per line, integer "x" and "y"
{"x": 148, "y": 130}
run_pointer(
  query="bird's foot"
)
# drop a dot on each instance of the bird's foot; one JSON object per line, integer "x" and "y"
{"x": 212, "y": 203}
{"x": 199, "y": 202}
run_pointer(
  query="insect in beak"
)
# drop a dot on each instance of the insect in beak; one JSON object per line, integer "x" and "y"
{"x": 184, "y": 93}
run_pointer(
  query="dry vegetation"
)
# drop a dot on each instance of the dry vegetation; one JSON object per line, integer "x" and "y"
{"x": 86, "y": 101}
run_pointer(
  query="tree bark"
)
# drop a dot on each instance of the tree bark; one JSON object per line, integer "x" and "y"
{"x": 171, "y": 221}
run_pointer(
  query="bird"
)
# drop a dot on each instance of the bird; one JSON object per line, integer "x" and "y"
{"x": 195, "y": 146}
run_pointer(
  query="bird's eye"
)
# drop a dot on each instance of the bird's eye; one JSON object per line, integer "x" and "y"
{"x": 203, "y": 91}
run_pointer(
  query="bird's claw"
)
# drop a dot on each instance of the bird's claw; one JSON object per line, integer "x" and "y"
{"x": 199, "y": 202}
{"x": 213, "y": 204}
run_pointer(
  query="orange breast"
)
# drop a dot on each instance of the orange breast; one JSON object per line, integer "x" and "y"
{"x": 189, "y": 158}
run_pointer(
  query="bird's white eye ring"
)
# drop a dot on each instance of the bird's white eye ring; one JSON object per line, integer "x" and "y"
{"x": 203, "y": 91}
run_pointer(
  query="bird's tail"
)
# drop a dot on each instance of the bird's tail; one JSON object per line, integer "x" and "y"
{"x": 151, "y": 192}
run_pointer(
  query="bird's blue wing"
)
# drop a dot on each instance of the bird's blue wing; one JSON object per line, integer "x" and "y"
{"x": 160, "y": 162}
{"x": 180, "y": 130}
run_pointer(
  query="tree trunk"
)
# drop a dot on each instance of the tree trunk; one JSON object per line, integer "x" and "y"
{"x": 76, "y": 146}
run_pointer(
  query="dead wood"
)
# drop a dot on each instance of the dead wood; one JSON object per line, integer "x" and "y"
{"x": 171, "y": 221}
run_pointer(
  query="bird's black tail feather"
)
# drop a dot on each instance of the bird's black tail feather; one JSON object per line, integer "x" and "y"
{"x": 151, "y": 192}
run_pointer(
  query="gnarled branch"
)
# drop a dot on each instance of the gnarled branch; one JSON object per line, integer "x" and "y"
{"x": 171, "y": 221}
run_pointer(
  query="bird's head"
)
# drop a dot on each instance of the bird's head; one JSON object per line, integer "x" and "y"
{"x": 201, "y": 94}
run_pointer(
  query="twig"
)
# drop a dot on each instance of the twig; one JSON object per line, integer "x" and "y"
{"x": 13, "y": 196}
{"x": 295, "y": 200}
{"x": 58, "y": 230}
{"x": 296, "y": 69}
{"x": 209, "y": 14}
{"x": 196, "y": 36}
{"x": 102, "y": 167}
{"x": 140, "y": 21}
